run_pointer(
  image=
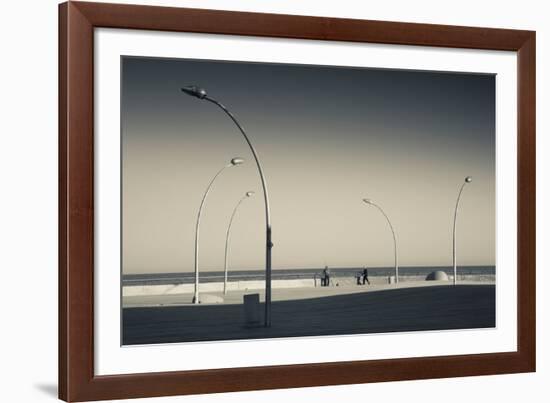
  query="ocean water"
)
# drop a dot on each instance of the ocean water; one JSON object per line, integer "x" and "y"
{"x": 288, "y": 274}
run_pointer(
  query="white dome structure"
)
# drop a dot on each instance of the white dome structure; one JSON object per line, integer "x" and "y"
{"x": 438, "y": 275}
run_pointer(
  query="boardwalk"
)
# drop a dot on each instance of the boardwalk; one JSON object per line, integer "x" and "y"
{"x": 392, "y": 310}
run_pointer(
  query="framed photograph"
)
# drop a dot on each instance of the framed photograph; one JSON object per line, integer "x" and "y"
{"x": 256, "y": 201}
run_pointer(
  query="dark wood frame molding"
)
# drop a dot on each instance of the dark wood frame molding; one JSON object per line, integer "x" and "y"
{"x": 77, "y": 381}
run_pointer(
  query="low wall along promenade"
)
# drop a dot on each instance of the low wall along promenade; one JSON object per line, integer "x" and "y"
{"x": 244, "y": 285}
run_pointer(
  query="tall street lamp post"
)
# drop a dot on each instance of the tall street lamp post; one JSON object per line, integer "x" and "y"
{"x": 467, "y": 180}
{"x": 227, "y": 236}
{"x": 371, "y": 203}
{"x": 232, "y": 163}
{"x": 200, "y": 93}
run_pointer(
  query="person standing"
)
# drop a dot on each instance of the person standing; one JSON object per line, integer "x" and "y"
{"x": 366, "y": 276}
{"x": 326, "y": 276}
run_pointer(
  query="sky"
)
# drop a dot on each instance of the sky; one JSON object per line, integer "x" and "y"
{"x": 327, "y": 137}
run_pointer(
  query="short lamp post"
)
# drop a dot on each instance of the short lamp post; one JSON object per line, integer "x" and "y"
{"x": 467, "y": 180}
{"x": 234, "y": 162}
{"x": 228, "y": 235}
{"x": 371, "y": 203}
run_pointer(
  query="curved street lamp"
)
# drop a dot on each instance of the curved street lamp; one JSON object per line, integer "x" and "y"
{"x": 234, "y": 162}
{"x": 200, "y": 93}
{"x": 467, "y": 180}
{"x": 370, "y": 202}
{"x": 227, "y": 236}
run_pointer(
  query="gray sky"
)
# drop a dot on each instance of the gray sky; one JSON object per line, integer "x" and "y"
{"x": 327, "y": 137}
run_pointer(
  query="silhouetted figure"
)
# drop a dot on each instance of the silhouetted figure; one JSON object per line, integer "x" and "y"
{"x": 326, "y": 276}
{"x": 366, "y": 276}
{"x": 358, "y": 277}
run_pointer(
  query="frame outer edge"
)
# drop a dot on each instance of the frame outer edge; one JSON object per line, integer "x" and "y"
{"x": 300, "y": 27}
{"x": 62, "y": 207}
{"x": 76, "y": 270}
{"x": 76, "y": 218}
{"x": 527, "y": 202}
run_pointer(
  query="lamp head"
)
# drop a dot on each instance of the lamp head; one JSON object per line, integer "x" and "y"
{"x": 237, "y": 161}
{"x": 249, "y": 194}
{"x": 468, "y": 179}
{"x": 194, "y": 91}
{"x": 368, "y": 201}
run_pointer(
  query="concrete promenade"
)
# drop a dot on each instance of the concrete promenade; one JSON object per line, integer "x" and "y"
{"x": 313, "y": 311}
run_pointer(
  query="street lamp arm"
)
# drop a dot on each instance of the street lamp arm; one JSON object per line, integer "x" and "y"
{"x": 227, "y": 236}
{"x": 254, "y": 153}
{"x": 467, "y": 180}
{"x": 269, "y": 244}
{"x": 457, "y": 202}
{"x": 197, "y": 229}
{"x": 454, "y": 232}
{"x": 394, "y": 239}
{"x": 210, "y": 187}
{"x": 386, "y": 217}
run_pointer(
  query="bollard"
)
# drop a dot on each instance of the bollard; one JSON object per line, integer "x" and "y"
{"x": 251, "y": 303}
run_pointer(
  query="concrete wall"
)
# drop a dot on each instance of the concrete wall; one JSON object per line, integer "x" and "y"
{"x": 172, "y": 289}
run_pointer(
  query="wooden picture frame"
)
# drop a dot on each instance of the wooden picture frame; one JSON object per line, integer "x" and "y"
{"x": 77, "y": 381}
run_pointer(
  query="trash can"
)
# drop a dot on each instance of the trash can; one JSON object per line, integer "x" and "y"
{"x": 251, "y": 304}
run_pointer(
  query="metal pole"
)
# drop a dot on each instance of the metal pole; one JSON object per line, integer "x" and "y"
{"x": 394, "y": 241}
{"x": 467, "y": 180}
{"x": 197, "y": 229}
{"x": 227, "y": 236}
{"x": 269, "y": 244}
